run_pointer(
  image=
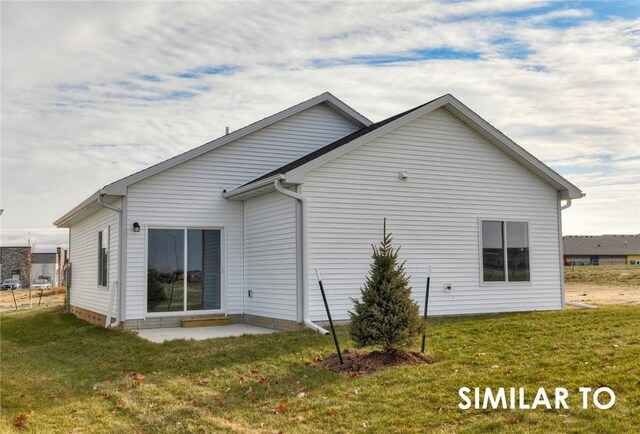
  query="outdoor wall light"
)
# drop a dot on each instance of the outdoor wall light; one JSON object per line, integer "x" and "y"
{"x": 136, "y": 227}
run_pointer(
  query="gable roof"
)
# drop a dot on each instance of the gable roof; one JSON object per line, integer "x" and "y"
{"x": 293, "y": 172}
{"x": 331, "y": 146}
{"x": 119, "y": 188}
{"x": 602, "y": 245}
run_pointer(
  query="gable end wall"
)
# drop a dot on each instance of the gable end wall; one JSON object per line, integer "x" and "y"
{"x": 454, "y": 178}
{"x": 190, "y": 194}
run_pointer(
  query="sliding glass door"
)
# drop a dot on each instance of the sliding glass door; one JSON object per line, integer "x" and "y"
{"x": 184, "y": 270}
{"x": 203, "y": 269}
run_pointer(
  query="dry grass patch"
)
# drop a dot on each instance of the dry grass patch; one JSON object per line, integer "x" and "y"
{"x": 604, "y": 275}
{"x": 49, "y": 296}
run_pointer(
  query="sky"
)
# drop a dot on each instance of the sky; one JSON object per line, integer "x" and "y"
{"x": 92, "y": 92}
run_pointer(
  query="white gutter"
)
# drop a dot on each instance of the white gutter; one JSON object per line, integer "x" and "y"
{"x": 250, "y": 187}
{"x": 566, "y": 205}
{"x": 76, "y": 210}
{"x": 305, "y": 255}
{"x": 116, "y": 286}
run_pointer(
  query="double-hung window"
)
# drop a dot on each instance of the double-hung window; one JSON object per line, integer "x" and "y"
{"x": 505, "y": 251}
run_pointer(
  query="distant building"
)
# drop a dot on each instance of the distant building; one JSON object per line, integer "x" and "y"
{"x": 602, "y": 249}
{"x": 15, "y": 263}
{"x": 61, "y": 262}
{"x": 44, "y": 267}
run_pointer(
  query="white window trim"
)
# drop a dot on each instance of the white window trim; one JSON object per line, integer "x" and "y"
{"x": 504, "y": 235}
{"x": 223, "y": 274}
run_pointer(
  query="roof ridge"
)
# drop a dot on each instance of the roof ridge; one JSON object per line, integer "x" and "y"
{"x": 335, "y": 144}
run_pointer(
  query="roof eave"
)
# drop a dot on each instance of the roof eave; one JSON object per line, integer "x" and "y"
{"x": 247, "y": 191}
{"x": 511, "y": 148}
{"x": 89, "y": 206}
{"x": 120, "y": 187}
{"x": 62, "y": 221}
{"x": 468, "y": 117}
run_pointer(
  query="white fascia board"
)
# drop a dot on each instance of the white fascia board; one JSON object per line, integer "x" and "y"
{"x": 468, "y": 117}
{"x": 301, "y": 170}
{"x": 86, "y": 208}
{"x": 120, "y": 187}
{"x": 60, "y": 223}
{"x": 512, "y": 149}
{"x": 239, "y": 192}
{"x": 345, "y": 110}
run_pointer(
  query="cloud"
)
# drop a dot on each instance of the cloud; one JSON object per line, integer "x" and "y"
{"x": 84, "y": 82}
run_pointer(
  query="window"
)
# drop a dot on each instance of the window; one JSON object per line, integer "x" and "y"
{"x": 505, "y": 251}
{"x": 184, "y": 270}
{"x": 103, "y": 257}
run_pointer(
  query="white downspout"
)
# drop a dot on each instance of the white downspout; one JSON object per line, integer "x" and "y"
{"x": 120, "y": 249}
{"x": 305, "y": 257}
{"x": 561, "y": 244}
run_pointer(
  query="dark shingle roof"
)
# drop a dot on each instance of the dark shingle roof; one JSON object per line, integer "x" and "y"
{"x": 602, "y": 245}
{"x": 331, "y": 146}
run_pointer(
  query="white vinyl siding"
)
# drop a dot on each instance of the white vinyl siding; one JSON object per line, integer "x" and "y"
{"x": 454, "y": 179}
{"x": 190, "y": 194}
{"x": 85, "y": 291}
{"x": 270, "y": 256}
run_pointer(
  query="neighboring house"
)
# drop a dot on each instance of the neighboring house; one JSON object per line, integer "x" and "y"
{"x": 43, "y": 265}
{"x": 61, "y": 261}
{"x": 238, "y": 225}
{"x": 602, "y": 249}
{"x": 15, "y": 263}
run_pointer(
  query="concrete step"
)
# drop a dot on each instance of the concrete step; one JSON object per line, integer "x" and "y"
{"x": 206, "y": 321}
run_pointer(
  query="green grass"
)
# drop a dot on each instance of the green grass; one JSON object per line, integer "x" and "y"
{"x": 605, "y": 275}
{"x": 60, "y": 374}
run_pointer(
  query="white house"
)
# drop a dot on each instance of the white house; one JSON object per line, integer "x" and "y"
{"x": 237, "y": 226}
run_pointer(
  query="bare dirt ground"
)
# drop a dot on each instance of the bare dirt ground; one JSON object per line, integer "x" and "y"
{"x": 604, "y": 284}
{"x": 599, "y": 294}
{"x": 49, "y": 297}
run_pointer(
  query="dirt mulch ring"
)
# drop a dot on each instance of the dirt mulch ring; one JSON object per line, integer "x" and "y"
{"x": 367, "y": 362}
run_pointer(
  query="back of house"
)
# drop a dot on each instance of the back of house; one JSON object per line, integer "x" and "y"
{"x": 238, "y": 226}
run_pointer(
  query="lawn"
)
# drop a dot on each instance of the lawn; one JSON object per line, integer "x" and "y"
{"x": 60, "y": 374}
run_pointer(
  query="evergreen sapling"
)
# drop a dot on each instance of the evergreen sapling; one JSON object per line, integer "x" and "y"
{"x": 386, "y": 315}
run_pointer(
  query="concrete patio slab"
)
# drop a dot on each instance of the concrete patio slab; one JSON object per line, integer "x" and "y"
{"x": 199, "y": 333}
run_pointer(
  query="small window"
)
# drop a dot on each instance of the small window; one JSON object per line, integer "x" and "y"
{"x": 103, "y": 258}
{"x": 505, "y": 251}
